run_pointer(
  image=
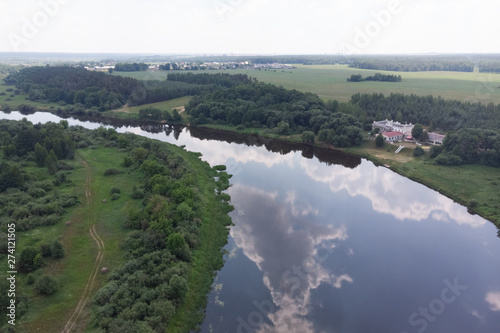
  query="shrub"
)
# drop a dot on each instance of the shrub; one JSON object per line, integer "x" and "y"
{"x": 115, "y": 189}
{"x": 307, "y": 137}
{"x": 30, "y": 279}
{"x": 111, "y": 172}
{"x": 36, "y": 192}
{"x": 473, "y": 203}
{"x": 115, "y": 196}
{"x": 45, "y": 250}
{"x": 27, "y": 260}
{"x": 127, "y": 161}
{"x": 136, "y": 193}
{"x": 419, "y": 151}
{"x": 46, "y": 285}
{"x": 177, "y": 288}
{"x": 448, "y": 159}
{"x": 57, "y": 249}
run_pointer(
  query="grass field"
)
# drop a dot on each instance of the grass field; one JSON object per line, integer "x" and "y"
{"x": 72, "y": 272}
{"x": 460, "y": 183}
{"x": 8, "y": 97}
{"x": 127, "y": 112}
{"x": 330, "y": 82}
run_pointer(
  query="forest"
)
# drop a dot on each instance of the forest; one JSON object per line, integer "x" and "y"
{"x": 415, "y": 63}
{"x": 259, "y": 105}
{"x": 251, "y": 104}
{"x": 163, "y": 236}
{"x": 435, "y": 112}
{"x": 77, "y": 89}
{"x": 473, "y": 128}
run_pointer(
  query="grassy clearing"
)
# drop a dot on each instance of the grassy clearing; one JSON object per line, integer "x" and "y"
{"x": 460, "y": 183}
{"x": 8, "y": 97}
{"x": 72, "y": 271}
{"x": 132, "y": 112}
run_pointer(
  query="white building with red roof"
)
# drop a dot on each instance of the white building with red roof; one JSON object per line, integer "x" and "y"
{"x": 393, "y": 136}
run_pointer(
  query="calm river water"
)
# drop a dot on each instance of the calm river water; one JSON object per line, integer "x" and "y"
{"x": 327, "y": 242}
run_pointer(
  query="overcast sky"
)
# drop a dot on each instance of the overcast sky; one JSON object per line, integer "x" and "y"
{"x": 250, "y": 26}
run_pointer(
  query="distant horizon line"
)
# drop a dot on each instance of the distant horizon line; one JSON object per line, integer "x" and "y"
{"x": 222, "y": 54}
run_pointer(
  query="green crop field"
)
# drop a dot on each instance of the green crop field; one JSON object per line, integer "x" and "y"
{"x": 330, "y": 82}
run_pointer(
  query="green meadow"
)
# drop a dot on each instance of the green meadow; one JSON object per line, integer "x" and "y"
{"x": 330, "y": 82}
{"x": 74, "y": 270}
{"x": 132, "y": 112}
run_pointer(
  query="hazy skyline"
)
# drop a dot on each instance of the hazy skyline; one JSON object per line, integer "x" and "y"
{"x": 250, "y": 26}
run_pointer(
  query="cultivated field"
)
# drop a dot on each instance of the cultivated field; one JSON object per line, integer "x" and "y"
{"x": 330, "y": 82}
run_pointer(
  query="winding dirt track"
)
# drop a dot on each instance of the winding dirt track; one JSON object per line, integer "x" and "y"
{"x": 97, "y": 263}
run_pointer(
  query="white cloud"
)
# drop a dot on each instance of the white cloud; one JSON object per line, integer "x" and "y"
{"x": 493, "y": 298}
{"x": 285, "y": 255}
{"x": 390, "y": 193}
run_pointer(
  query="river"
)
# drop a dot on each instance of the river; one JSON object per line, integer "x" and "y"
{"x": 328, "y": 242}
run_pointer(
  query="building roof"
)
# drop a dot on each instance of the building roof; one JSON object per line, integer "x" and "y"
{"x": 392, "y": 134}
{"x": 435, "y": 136}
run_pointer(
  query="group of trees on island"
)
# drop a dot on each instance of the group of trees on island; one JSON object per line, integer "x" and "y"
{"x": 376, "y": 77}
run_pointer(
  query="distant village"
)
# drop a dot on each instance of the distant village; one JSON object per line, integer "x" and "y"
{"x": 200, "y": 66}
{"x": 394, "y": 131}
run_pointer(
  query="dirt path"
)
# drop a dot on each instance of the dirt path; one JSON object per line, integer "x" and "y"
{"x": 180, "y": 109}
{"x": 97, "y": 263}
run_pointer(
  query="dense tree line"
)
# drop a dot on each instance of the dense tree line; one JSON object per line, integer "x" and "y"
{"x": 144, "y": 293}
{"x": 434, "y": 112}
{"x": 376, "y": 77}
{"x": 74, "y": 86}
{"x": 489, "y": 66}
{"x": 415, "y": 63}
{"x": 131, "y": 67}
{"x": 93, "y": 90}
{"x": 469, "y": 146}
{"x": 260, "y": 105}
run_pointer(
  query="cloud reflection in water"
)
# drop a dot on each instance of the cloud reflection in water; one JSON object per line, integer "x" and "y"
{"x": 280, "y": 238}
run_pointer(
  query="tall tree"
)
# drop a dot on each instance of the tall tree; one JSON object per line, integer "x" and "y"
{"x": 379, "y": 141}
{"x": 51, "y": 162}
{"x": 40, "y": 154}
{"x": 417, "y": 131}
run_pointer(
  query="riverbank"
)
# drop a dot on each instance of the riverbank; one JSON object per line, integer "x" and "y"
{"x": 476, "y": 187}
{"x": 107, "y": 191}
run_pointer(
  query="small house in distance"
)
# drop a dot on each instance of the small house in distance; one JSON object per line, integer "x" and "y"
{"x": 436, "y": 139}
{"x": 393, "y": 136}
